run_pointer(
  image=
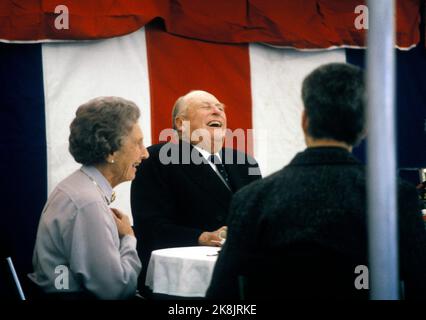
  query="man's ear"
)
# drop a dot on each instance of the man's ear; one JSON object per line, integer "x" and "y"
{"x": 179, "y": 124}
{"x": 305, "y": 122}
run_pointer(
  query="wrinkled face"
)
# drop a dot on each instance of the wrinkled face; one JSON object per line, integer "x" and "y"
{"x": 129, "y": 156}
{"x": 206, "y": 117}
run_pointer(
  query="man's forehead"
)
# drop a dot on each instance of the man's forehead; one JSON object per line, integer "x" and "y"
{"x": 201, "y": 97}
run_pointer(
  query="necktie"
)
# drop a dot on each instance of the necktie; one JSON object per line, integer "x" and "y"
{"x": 222, "y": 171}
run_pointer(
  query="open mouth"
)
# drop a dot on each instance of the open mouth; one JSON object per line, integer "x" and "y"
{"x": 215, "y": 124}
{"x": 134, "y": 165}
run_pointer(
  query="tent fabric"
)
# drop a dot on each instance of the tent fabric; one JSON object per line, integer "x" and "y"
{"x": 306, "y": 24}
{"x": 222, "y": 69}
{"x": 410, "y": 113}
{"x": 43, "y": 84}
{"x": 259, "y": 85}
{"x": 23, "y": 162}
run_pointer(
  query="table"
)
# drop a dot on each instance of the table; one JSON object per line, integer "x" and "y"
{"x": 184, "y": 271}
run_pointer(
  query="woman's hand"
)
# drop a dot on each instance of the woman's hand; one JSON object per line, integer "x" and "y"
{"x": 123, "y": 223}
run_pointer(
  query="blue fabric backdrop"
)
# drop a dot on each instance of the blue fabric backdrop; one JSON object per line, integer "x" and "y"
{"x": 23, "y": 144}
{"x": 23, "y": 162}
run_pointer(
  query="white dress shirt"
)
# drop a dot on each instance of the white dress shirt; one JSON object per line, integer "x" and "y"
{"x": 77, "y": 231}
{"x": 206, "y": 155}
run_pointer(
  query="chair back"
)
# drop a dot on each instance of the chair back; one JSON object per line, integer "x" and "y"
{"x": 10, "y": 285}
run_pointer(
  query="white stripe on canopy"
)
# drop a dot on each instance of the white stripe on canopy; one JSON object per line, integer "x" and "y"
{"x": 276, "y": 80}
{"x": 78, "y": 71}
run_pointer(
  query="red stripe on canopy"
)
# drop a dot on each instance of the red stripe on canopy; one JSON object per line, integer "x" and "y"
{"x": 304, "y": 24}
{"x": 177, "y": 65}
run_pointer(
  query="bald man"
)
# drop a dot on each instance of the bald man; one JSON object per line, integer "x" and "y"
{"x": 181, "y": 194}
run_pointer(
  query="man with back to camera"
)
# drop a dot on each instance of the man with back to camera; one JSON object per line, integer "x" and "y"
{"x": 185, "y": 201}
{"x": 312, "y": 213}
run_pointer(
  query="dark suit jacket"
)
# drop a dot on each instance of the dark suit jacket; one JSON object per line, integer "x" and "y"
{"x": 172, "y": 204}
{"x": 317, "y": 201}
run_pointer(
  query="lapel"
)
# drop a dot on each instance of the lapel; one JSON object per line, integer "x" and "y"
{"x": 237, "y": 167}
{"x": 229, "y": 162}
{"x": 203, "y": 175}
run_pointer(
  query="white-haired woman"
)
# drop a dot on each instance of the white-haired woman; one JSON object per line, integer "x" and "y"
{"x": 84, "y": 248}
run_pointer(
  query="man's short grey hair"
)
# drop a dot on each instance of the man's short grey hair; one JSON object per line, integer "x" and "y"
{"x": 99, "y": 128}
{"x": 177, "y": 109}
{"x": 181, "y": 106}
{"x": 335, "y": 90}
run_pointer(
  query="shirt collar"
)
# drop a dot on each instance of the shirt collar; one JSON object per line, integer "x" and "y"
{"x": 206, "y": 155}
{"x": 324, "y": 156}
{"x": 96, "y": 175}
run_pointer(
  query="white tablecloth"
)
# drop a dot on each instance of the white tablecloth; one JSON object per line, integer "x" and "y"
{"x": 185, "y": 271}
